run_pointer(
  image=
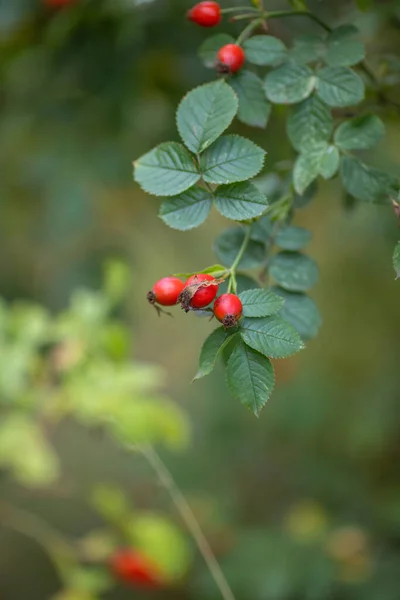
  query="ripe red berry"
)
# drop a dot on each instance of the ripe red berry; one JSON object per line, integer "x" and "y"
{"x": 166, "y": 291}
{"x": 230, "y": 58}
{"x": 228, "y": 309}
{"x": 133, "y": 567}
{"x": 206, "y": 14}
{"x": 198, "y": 296}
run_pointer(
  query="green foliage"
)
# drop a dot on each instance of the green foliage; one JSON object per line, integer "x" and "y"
{"x": 254, "y": 108}
{"x": 240, "y": 201}
{"x": 396, "y": 260}
{"x": 359, "y": 133}
{"x": 265, "y": 50}
{"x": 260, "y": 303}
{"x": 289, "y": 84}
{"x": 188, "y": 210}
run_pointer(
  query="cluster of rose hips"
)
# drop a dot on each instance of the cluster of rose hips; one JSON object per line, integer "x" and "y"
{"x": 133, "y": 568}
{"x": 196, "y": 294}
{"x": 231, "y": 57}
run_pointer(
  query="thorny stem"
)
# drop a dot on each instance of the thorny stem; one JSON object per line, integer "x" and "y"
{"x": 189, "y": 519}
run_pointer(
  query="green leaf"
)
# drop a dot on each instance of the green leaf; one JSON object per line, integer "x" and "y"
{"x": 260, "y": 303}
{"x": 364, "y": 5}
{"x": 310, "y": 122}
{"x": 359, "y": 133}
{"x": 289, "y": 84}
{"x": 396, "y": 260}
{"x": 307, "y": 48}
{"x": 188, "y": 210}
{"x": 240, "y": 201}
{"x": 209, "y": 48}
{"x": 228, "y": 244}
{"x": 365, "y": 182}
{"x": 293, "y": 238}
{"x": 254, "y": 108}
{"x": 261, "y": 230}
{"x": 205, "y": 113}
{"x": 210, "y": 351}
{"x": 342, "y": 49}
{"x": 271, "y": 336}
{"x": 339, "y": 86}
{"x": 231, "y": 158}
{"x": 250, "y": 377}
{"x": 293, "y": 271}
{"x": 213, "y": 270}
{"x": 303, "y": 200}
{"x": 265, "y": 50}
{"x": 330, "y": 162}
{"x": 166, "y": 170}
{"x": 301, "y": 312}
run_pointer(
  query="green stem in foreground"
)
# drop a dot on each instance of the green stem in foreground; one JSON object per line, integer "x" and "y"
{"x": 232, "y": 277}
{"x": 247, "y": 31}
{"x": 225, "y": 11}
{"x": 277, "y": 14}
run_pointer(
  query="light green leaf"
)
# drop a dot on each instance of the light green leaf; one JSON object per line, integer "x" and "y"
{"x": 310, "y": 122}
{"x": 254, "y": 108}
{"x": 215, "y": 270}
{"x": 365, "y": 182}
{"x": 265, "y": 50}
{"x": 339, "y": 86}
{"x": 330, "y": 162}
{"x": 211, "y": 349}
{"x": 293, "y": 238}
{"x": 205, "y": 113}
{"x": 167, "y": 170}
{"x": 300, "y": 311}
{"x": 271, "y": 336}
{"x": 307, "y": 48}
{"x": 396, "y": 260}
{"x": 228, "y": 244}
{"x": 359, "y": 133}
{"x": 188, "y": 210}
{"x": 342, "y": 49}
{"x": 250, "y": 377}
{"x": 209, "y": 48}
{"x": 289, "y": 84}
{"x": 260, "y": 303}
{"x": 240, "y": 201}
{"x": 293, "y": 271}
{"x": 231, "y": 158}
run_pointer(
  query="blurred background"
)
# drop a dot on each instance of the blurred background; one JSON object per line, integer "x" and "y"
{"x": 302, "y": 504}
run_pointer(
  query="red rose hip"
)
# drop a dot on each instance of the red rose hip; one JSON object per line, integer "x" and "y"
{"x": 198, "y": 292}
{"x": 166, "y": 291}
{"x": 230, "y": 58}
{"x": 205, "y": 14}
{"x": 134, "y": 568}
{"x": 228, "y": 309}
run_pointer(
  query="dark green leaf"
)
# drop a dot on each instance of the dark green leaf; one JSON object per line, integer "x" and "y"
{"x": 300, "y": 311}
{"x": 228, "y": 245}
{"x": 261, "y": 230}
{"x": 293, "y": 238}
{"x": 210, "y": 351}
{"x": 240, "y": 201}
{"x": 289, "y": 84}
{"x": 205, "y": 113}
{"x": 260, "y": 303}
{"x": 359, "y": 133}
{"x": 365, "y": 182}
{"x": 231, "y": 158}
{"x": 339, "y": 86}
{"x": 310, "y": 122}
{"x": 342, "y": 49}
{"x": 254, "y": 108}
{"x": 293, "y": 271}
{"x": 188, "y": 210}
{"x": 265, "y": 50}
{"x": 396, "y": 260}
{"x": 250, "y": 377}
{"x": 209, "y": 48}
{"x": 307, "y": 48}
{"x": 167, "y": 170}
{"x": 271, "y": 336}
{"x": 300, "y": 201}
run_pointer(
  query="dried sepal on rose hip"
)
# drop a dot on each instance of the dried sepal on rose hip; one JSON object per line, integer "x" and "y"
{"x": 199, "y": 291}
{"x": 228, "y": 309}
{"x": 205, "y": 14}
{"x": 230, "y": 58}
{"x": 134, "y": 568}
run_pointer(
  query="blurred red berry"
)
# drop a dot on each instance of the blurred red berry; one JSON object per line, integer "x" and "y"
{"x": 58, "y": 3}
{"x": 228, "y": 309}
{"x": 206, "y": 14}
{"x": 199, "y": 296}
{"x": 134, "y": 568}
{"x": 230, "y": 58}
{"x": 166, "y": 291}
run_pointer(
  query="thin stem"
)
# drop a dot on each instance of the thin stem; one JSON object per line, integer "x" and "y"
{"x": 277, "y": 14}
{"x": 189, "y": 519}
{"x": 225, "y": 11}
{"x": 241, "y": 251}
{"x": 247, "y": 31}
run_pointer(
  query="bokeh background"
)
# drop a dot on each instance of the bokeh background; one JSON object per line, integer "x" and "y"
{"x": 302, "y": 504}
